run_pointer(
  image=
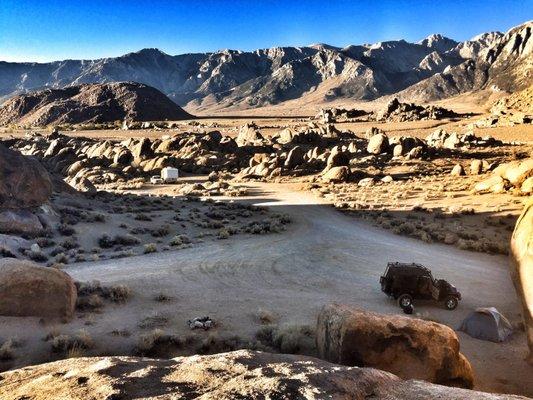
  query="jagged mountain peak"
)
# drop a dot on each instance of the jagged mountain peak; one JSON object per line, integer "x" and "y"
{"x": 438, "y": 42}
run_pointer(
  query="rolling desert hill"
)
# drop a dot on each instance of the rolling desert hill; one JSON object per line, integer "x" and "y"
{"x": 435, "y": 68}
{"x": 95, "y": 103}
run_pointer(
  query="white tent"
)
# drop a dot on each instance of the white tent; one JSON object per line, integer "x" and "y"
{"x": 487, "y": 324}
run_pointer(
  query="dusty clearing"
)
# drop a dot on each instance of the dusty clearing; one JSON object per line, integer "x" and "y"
{"x": 324, "y": 256}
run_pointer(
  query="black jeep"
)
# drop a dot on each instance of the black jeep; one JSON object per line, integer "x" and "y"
{"x": 405, "y": 282}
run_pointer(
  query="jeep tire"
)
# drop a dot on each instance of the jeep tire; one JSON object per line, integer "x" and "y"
{"x": 405, "y": 300}
{"x": 451, "y": 303}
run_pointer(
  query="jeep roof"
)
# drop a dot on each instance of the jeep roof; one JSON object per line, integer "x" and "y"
{"x": 406, "y": 268}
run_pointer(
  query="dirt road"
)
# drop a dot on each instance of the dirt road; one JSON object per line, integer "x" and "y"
{"x": 324, "y": 256}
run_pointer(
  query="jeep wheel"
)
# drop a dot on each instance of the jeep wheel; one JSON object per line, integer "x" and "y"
{"x": 451, "y": 303}
{"x": 405, "y": 300}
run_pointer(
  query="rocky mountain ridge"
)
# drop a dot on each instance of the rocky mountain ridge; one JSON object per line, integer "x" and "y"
{"x": 434, "y": 68}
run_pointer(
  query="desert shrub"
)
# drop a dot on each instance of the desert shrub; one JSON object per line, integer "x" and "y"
{"x": 61, "y": 258}
{"x": 156, "y": 343}
{"x": 405, "y": 228}
{"x": 69, "y": 244}
{"x": 126, "y": 240}
{"x": 214, "y": 343}
{"x": 90, "y": 302}
{"x": 5, "y": 252}
{"x": 160, "y": 232}
{"x": 121, "y": 332}
{"x": 37, "y": 256}
{"x": 289, "y": 338}
{"x": 65, "y": 343}
{"x": 178, "y": 240}
{"x": 66, "y": 230}
{"x": 105, "y": 241}
{"x": 150, "y": 248}
{"x": 162, "y": 298}
{"x": 7, "y": 351}
{"x": 223, "y": 234}
{"x": 142, "y": 217}
{"x": 154, "y": 321}
{"x": 96, "y": 217}
{"x": 265, "y": 317}
{"x": 45, "y": 242}
{"x": 116, "y": 293}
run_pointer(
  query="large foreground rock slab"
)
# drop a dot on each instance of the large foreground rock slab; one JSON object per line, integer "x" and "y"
{"x": 23, "y": 180}
{"x": 26, "y": 289}
{"x": 522, "y": 268}
{"x": 408, "y": 347}
{"x": 237, "y": 375}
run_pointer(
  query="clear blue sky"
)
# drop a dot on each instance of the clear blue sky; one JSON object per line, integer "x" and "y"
{"x": 44, "y": 30}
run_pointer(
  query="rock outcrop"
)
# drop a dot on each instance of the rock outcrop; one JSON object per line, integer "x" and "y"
{"x": 522, "y": 269}
{"x": 516, "y": 175}
{"x": 410, "y": 348}
{"x": 236, "y": 375}
{"x": 27, "y": 289}
{"x": 91, "y": 103}
{"x": 24, "y": 182}
{"x": 396, "y": 111}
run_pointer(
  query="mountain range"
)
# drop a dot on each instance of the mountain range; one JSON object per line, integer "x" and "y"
{"x": 434, "y": 68}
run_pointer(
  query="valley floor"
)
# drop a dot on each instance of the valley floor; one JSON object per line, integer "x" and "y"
{"x": 324, "y": 256}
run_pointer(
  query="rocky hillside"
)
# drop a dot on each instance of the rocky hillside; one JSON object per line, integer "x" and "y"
{"x": 489, "y": 61}
{"x": 235, "y": 375}
{"x": 105, "y": 102}
{"x": 434, "y": 68}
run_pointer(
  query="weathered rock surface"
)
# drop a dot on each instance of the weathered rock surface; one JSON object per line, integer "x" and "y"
{"x": 23, "y": 180}
{"x": 19, "y": 221}
{"x": 26, "y": 289}
{"x": 105, "y": 102}
{"x": 410, "y": 348}
{"x": 336, "y": 174}
{"x": 236, "y": 375}
{"x": 378, "y": 143}
{"x": 522, "y": 268}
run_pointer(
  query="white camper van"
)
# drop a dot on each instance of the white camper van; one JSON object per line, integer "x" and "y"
{"x": 169, "y": 174}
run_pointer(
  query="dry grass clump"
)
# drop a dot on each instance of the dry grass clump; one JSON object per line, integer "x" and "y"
{"x": 71, "y": 345}
{"x": 288, "y": 338}
{"x": 163, "y": 298}
{"x": 90, "y": 302}
{"x": 214, "y": 343}
{"x": 7, "y": 350}
{"x": 37, "y": 256}
{"x": 66, "y": 230}
{"x": 155, "y": 320}
{"x": 157, "y": 343}
{"x": 265, "y": 317}
{"x": 88, "y": 292}
{"x": 106, "y": 242}
{"x": 150, "y": 248}
{"x": 5, "y": 252}
{"x": 179, "y": 240}
{"x": 223, "y": 234}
